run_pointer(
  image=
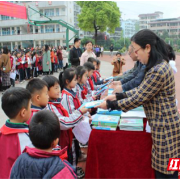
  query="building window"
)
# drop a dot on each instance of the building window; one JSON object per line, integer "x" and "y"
{"x": 49, "y": 12}
{"x": 49, "y": 28}
{"x": 5, "y": 17}
{"x": 5, "y": 31}
{"x": 57, "y": 28}
{"x": 42, "y": 29}
{"x": 57, "y": 11}
{"x": 64, "y": 41}
{"x": 63, "y": 9}
{"x": 41, "y": 12}
{"x": 13, "y": 31}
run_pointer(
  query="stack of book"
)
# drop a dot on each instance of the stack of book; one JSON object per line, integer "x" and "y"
{"x": 131, "y": 124}
{"x": 132, "y": 120}
{"x": 107, "y": 112}
{"x": 105, "y": 122}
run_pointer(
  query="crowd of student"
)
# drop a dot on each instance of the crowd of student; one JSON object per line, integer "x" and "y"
{"x": 29, "y": 63}
{"x": 77, "y": 85}
{"x": 47, "y": 147}
{"x": 33, "y": 62}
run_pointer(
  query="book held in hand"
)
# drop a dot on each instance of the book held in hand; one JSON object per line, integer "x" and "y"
{"x": 91, "y": 104}
{"x": 107, "y": 112}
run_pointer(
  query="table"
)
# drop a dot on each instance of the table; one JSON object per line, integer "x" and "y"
{"x": 119, "y": 154}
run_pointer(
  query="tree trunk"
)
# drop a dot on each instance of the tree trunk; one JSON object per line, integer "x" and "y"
{"x": 95, "y": 36}
{"x": 96, "y": 30}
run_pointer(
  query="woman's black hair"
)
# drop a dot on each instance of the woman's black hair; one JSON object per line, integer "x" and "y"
{"x": 51, "y": 81}
{"x": 88, "y": 42}
{"x": 80, "y": 70}
{"x": 46, "y": 47}
{"x": 171, "y": 53}
{"x": 158, "y": 51}
{"x": 64, "y": 47}
{"x": 89, "y": 66}
{"x": 91, "y": 60}
{"x": 68, "y": 74}
{"x": 118, "y": 53}
{"x": 5, "y": 50}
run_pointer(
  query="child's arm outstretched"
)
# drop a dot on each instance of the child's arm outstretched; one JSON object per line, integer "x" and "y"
{"x": 68, "y": 122}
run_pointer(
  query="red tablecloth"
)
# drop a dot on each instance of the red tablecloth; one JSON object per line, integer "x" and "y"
{"x": 119, "y": 154}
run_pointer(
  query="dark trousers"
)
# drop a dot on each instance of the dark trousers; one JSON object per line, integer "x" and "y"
{"x": 55, "y": 67}
{"x": 21, "y": 74}
{"x": 52, "y": 67}
{"x": 60, "y": 64}
{"x": 12, "y": 82}
{"x": 34, "y": 72}
{"x": 28, "y": 73}
{"x": 160, "y": 175}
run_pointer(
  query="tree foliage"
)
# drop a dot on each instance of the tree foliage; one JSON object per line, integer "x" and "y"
{"x": 99, "y": 16}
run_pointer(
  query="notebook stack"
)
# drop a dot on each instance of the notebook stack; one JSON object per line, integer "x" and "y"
{"x": 132, "y": 120}
{"x": 105, "y": 122}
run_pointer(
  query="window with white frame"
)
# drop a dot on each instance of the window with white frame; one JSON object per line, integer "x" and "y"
{"x": 57, "y": 28}
{"x": 49, "y": 12}
{"x": 5, "y": 31}
{"x": 49, "y": 28}
{"x": 57, "y": 11}
{"x": 5, "y": 17}
{"x": 42, "y": 29}
{"x": 13, "y": 31}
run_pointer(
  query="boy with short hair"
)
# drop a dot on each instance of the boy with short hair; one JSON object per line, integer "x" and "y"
{"x": 14, "y": 134}
{"x": 43, "y": 161}
{"x": 40, "y": 98}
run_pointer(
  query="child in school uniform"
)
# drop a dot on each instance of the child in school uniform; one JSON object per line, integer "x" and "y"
{"x": 89, "y": 83}
{"x": 45, "y": 160}
{"x": 98, "y": 69}
{"x": 35, "y": 61}
{"x": 55, "y": 61}
{"x": 95, "y": 76}
{"x": 39, "y": 65}
{"x": 80, "y": 89}
{"x": 20, "y": 66}
{"x": 27, "y": 65}
{"x": 40, "y": 98}
{"x": 13, "y": 67}
{"x": 70, "y": 102}
{"x": 16, "y": 103}
{"x": 54, "y": 104}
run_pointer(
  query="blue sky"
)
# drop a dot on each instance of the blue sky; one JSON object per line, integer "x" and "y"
{"x": 131, "y": 9}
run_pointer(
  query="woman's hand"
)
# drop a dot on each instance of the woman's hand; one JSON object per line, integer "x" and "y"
{"x": 103, "y": 105}
{"x": 114, "y": 84}
{"x": 47, "y": 63}
{"x": 118, "y": 89}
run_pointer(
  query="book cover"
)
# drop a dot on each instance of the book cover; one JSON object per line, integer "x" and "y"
{"x": 101, "y": 91}
{"x": 91, "y": 104}
{"x": 104, "y": 85}
{"x": 107, "y": 112}
{"x": 109, "y": 78}
{"x": 131, "y": 122}
{"x": 105, "y": 119}
{"x": 104, "y": 128}
{"x": 110, "y": 91}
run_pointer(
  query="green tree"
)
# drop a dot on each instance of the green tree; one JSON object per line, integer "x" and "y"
{"x": 84, "y": 40}
{"x": 98, "y": 16}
